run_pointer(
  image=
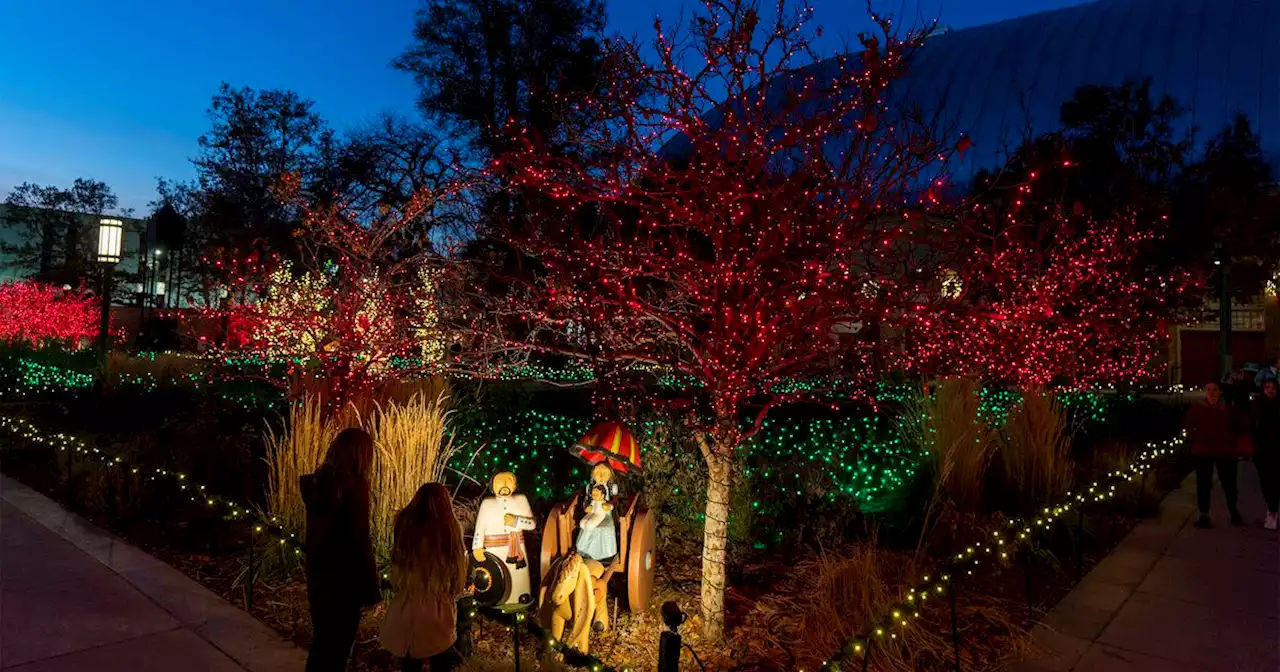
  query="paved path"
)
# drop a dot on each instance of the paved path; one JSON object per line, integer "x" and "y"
{"x": 1175, "y": 598}
{"x": 74, "y": 598}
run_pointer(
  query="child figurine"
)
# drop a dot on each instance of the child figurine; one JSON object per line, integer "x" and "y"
{"x": 597, "y": 539}
{"x": 602, "y": 474}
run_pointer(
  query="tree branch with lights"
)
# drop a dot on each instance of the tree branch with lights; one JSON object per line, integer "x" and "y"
{"x": 735, "y": 205}
{"x": 357, "y": 309}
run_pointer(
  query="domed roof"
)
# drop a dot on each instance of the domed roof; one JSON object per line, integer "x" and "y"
{"x": 998, "y": 81}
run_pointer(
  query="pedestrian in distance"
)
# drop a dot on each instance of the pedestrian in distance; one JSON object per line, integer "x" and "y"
{"x": 342, "y": 574}
{"x": 428, "y": 575}
{"x": 1211, "y": 433}
{"x": 1266, "y": 441}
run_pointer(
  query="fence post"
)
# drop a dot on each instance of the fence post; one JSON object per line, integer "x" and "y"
{"x": 955, "y": 635}
{"x": 1142, "y": 488}
{"x": 1026, "y": 575}
{"x": 110, "y": 504}
{"x": 248, "y": 582}
{"x": 515, "y": 637}
{"x": 67, "y": 482}
{"x": 1080, "y": 544}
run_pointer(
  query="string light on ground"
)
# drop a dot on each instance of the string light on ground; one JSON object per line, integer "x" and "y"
{"x": 260, "y": 524}
{"x": 999, "y": 548}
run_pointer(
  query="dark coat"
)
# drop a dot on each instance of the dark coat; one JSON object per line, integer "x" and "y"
{"x": 341, "y": 568}
{"x": 1210, "y": 429}
{"x": 1266, "y": 429}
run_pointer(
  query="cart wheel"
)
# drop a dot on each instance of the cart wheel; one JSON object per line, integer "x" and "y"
{"x": 557, "y": 535}
{"x": 641, "y": 561}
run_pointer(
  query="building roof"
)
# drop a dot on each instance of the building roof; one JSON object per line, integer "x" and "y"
{"x": 997, "y": 81}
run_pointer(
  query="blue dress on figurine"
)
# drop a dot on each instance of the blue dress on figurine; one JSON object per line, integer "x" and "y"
{"x": 597, "y": 537}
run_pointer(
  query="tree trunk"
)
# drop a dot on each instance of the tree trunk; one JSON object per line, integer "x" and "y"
{"x": 716, "y": 535}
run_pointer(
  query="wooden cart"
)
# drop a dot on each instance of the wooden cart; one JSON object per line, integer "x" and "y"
{"x": 637, "y": 546}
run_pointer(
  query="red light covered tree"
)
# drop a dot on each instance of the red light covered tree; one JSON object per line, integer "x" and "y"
{"x": 728, "y": 215}
{"x": 1071, "y": 306}
{"x": 40, "y": 314}
{"x": 356, "y": 309}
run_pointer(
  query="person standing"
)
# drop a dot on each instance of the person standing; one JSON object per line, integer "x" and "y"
{"x": 342, "y": 574}
{"x": 1266, "y": 441}
{"x": 1210, "y": 432}
{"x": 1270, "y": 372}
{"x": 428, "y": 573}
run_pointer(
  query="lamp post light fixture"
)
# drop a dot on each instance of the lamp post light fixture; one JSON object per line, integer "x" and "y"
{"x": 110, "y": 244}
{"x": 110, "y": 240}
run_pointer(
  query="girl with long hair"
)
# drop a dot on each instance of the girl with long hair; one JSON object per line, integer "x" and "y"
{"x": 429, "y": 573}
{"x": 342, "y": 574}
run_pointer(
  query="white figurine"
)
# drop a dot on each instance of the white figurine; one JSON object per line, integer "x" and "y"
{"x": 500, "y": 526}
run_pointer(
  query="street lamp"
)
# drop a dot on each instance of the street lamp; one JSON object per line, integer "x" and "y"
{"x": 110, "y": 241}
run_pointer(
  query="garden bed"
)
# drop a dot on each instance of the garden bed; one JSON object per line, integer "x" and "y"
{"x": 763, "y": 601}
{"x": 794, "y": 598}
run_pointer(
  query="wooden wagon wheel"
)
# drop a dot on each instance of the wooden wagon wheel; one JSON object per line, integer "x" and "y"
{"x": 641, "y": 560}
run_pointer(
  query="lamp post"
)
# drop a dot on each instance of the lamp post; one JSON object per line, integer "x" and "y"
{"x": 110, "y": 239}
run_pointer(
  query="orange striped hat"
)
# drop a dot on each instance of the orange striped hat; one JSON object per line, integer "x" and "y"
{"x": 610, "y": 442}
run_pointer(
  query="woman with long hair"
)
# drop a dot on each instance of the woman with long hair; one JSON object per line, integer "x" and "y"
{"x": 428, "y": 573}
{"x": 342, "y": 574}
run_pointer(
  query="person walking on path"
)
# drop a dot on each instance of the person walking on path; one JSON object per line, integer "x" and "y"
{"x": 1209, "y": 426}
{"x": 342, "y": 574}
{"x": 1266, "y": 441}
{"x": 428, "y": 573}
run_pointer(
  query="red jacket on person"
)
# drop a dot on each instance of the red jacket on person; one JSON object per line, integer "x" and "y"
{"x": 1209, "y": 429}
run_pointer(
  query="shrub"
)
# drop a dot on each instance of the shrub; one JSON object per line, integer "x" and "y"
{"x": 159, "y": 370}
{"x": 1035, "y": 450}
{"x": 674, "y": 485}
{"x": 40, "y": 314}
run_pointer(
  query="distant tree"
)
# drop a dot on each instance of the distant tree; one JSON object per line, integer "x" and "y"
{"x": 1227, "y": 201}
{"x": 55, "y": 237}
{"x": 482, "y": 63}
{"x": 385, "y": 163}
{"x": 258, "y": 138}
{"x": 1116, "y": 152}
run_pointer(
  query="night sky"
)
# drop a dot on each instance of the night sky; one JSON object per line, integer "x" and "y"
{"x": 117, "y": 91}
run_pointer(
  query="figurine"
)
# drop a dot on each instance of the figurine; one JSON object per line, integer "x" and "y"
{"x": 597, "y": 537}
{"x": 500, "y": 526}
{"x": 572, "y": 595}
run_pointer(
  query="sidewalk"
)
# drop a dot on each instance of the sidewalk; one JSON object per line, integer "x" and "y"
{"x": 1175, "y": 598}
{"x": 72, "y": 597}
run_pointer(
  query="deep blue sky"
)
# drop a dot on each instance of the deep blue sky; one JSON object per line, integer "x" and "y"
{"x": 117, "y": 91}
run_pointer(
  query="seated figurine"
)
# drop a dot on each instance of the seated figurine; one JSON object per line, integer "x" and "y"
{"x": 597, "y": 537}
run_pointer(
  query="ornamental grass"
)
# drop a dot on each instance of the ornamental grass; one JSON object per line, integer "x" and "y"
{"x": 825, "y": 602}
{"x": 1035, "y": 451}
{"x": 947, "y": 427}
{"x": 412, "y": 447}
{"x": 409, "y": 425}
{"x": 294, "y": 452}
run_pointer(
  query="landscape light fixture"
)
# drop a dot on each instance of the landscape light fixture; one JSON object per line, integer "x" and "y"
{"x": 110, "y": 239}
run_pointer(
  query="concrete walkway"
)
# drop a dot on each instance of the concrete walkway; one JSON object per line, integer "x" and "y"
{"x": 73, "y": 597}
{"x": 1175, "y": 598}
